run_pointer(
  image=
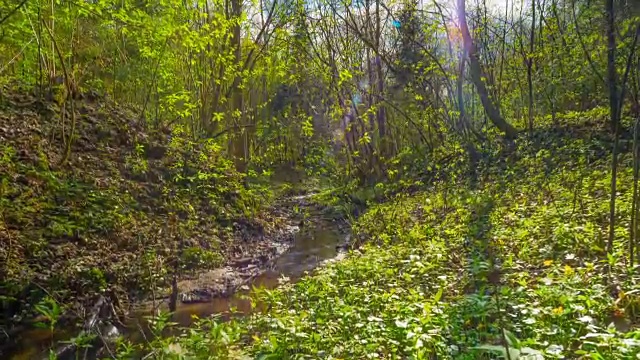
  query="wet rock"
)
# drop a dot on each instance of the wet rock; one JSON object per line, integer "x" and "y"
{"x": 196, "y": 297}
{"x": 242, "y": 262}
{"x": 345, "y": 244}
{"x": 109, "y": 331}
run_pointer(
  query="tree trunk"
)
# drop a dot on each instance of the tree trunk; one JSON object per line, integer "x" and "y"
{"x": 380, "y": 77}
{"x": 613, "y": 109}
{"x": 476, "y": 76}
{"x": 611, "y": 63}
{"x": 239, "y": 138}
{"x": 530, "y": 62}
{"x": 381, "y": 111}
{"x": 633, "y": 234}
{"x": 460, "y": 93}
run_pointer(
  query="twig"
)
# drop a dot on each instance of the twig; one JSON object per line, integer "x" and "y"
{"x": 12, "y": 11}
{"x": 69, "y": 87}
{"x": 18, "y": 54}
{"x": 582, "y": 45}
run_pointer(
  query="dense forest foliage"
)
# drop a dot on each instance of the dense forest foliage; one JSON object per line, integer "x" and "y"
{"x": 485, "y": 153}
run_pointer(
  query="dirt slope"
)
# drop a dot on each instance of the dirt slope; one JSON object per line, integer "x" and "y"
{"x": 111, "y": 218}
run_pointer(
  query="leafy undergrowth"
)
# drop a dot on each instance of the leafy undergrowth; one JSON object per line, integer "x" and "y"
{"x": 110, "y": 218}
{"x": 458, "y": 271}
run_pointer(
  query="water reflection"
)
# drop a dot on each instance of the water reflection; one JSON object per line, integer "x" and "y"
{"x": 311, "y": 246}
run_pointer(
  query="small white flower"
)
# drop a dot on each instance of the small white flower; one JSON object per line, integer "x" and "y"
{"x": 578, "y": 307}
{"x": 529, "y": 321}
{"x": 536, "y": 311}
{"x": 174, "y": 348}
{"x": 401, "y": 324}
{"x": 631, "y": 342}
{"x": 555, "y": 349}
{"x": 570, "y": 256}
{"x": 586, "y": 319}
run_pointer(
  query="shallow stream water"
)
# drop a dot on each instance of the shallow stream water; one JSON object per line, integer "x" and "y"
{"x": 314, "y": 244}
{"x": 310, "y": 247}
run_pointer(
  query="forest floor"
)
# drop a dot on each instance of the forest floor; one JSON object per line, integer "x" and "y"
{"x": 99, "y": 221}
{"x": 314, "y": 236}
{"x": 508, "y": 265}
{"x": 505, "y": 259}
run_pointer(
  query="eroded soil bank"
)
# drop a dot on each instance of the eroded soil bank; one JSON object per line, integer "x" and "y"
{"x": 314, "y": 241}
{"x": 308, "y": 235}
{"x": 100, "y": 211}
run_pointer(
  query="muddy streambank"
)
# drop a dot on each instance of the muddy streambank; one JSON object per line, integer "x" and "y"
{"x": 318, "y": 239}
{"x": 309, "y": 236}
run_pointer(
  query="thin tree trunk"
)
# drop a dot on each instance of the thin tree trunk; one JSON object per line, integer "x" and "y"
{"x": 504, "y": 43}
{"x": 460, "y": 90}
{"x": 530, "y": 62}
{"x": 611, "y": 63}
{"x": 634, "y": 204}
{"x": 381, "y": 111}
{"x": 476, "y": 75}
{"x": 40, "y": 58}
{"x": 633, "y": 235}
{"x": 612, "y": 199}
{"x": 52, "y": 29}
{"x": 239, "y": 138}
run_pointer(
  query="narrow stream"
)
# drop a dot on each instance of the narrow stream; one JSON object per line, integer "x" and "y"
{"x": 312, "y": 245}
